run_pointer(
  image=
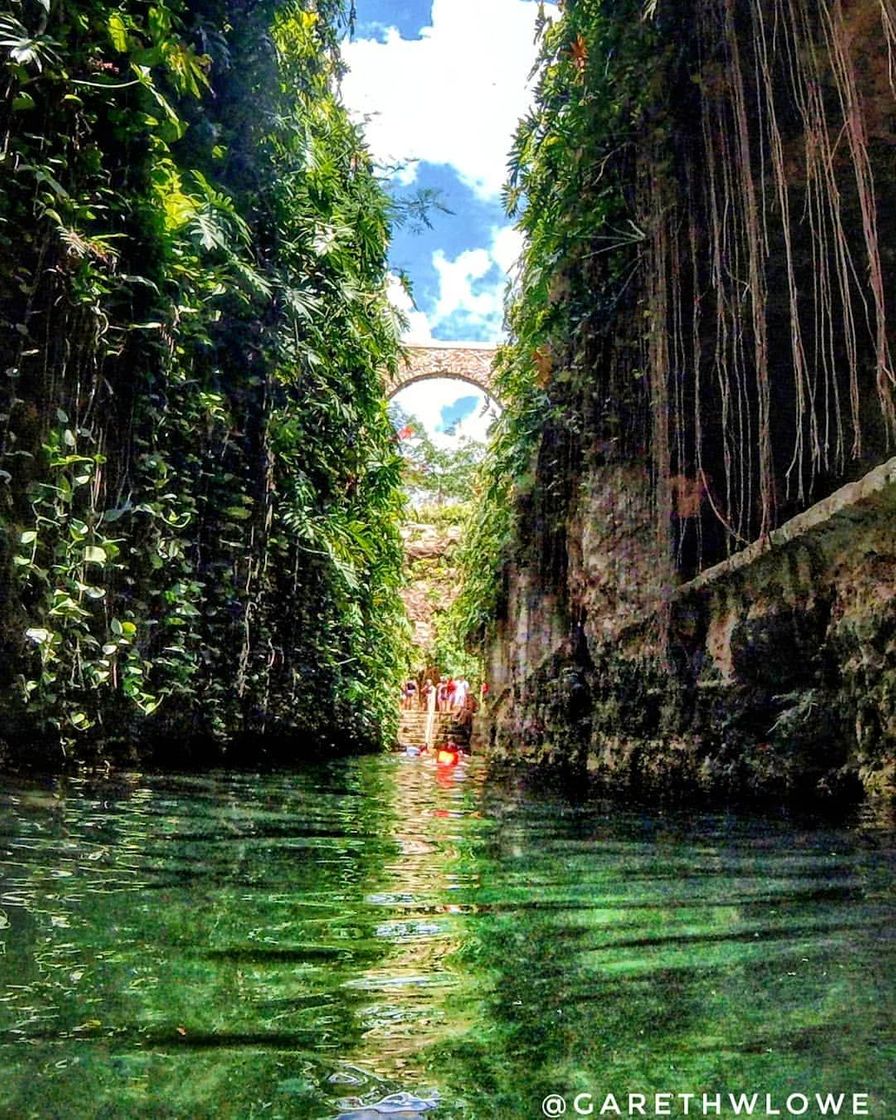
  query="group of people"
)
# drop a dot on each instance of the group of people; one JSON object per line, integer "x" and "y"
{"x": 447, "y": 694}
{"x": 448, "y": 755}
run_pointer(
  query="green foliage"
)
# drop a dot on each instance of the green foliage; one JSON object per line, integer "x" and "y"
{"x": 450, "y": 654}
{"x": 436, "y": 477}
{"x": 568, "y": 188}
{"x": 201, "y": 486}
{"x": 693, "y": 302}
{"x": 440, "y": 483}
{"x": 489, "y": 528}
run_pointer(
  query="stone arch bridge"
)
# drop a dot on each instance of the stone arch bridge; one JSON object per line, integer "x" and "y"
{"x": 463, "y": 361}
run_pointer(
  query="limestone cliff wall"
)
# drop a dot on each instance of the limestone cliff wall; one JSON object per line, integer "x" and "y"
{"x": 700, "y": 360}
{"x": 773, "y": 672}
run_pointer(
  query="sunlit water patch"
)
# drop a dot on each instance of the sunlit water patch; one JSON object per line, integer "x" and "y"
{"x": 380, "y": 937}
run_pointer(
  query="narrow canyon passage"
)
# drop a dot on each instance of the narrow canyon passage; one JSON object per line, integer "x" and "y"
{"x": 447, "y": 559}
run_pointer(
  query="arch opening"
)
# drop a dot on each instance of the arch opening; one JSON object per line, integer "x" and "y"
{"x": 460, "y": 361}
{"x": 396, "y": 386}
{"x": 444, "y": 413}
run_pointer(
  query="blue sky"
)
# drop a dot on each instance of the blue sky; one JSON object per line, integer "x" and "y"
{"x": 440, "y": 85}
{"x": 468, "y": 226}
{"x": 458, "y": 410}
{"x": 375, "y": 16}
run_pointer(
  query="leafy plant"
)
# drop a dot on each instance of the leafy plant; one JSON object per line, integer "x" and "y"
{"x": 201, "y": 491}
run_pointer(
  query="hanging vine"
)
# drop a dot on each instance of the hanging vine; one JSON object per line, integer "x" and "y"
{"x": 200, "y": 486}
{"x": 699, "y": 186}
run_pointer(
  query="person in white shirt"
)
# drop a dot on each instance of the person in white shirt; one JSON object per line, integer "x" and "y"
{"x": 461, "y": 691}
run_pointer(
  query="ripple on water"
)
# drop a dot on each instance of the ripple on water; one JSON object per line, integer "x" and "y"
{"x": 347, "y": 940}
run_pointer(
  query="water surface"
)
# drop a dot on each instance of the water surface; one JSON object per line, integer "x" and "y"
{"x": 308, "y": 945}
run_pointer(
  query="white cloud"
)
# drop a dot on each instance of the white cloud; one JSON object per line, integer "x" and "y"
{"x": 427, "y": 399}
{"x": 470, "y": 302}
{"x": 476, "y": 425}
{"x": 464, "y": 301}
{"x": 418, "y": 328}
{"x": 454, "y": 95}
{"x": 471, "y": 287}
{"x": 507, "y": 244}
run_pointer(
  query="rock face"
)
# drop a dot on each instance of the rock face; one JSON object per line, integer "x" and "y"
{"x": 772, "y": 673}
{"x": 432, "y": 577}
{"x": 465, "y": 361}
{"x": 446, "y": 728}
{"x": 697, "y": 586}
{"x": 425, "y": 541}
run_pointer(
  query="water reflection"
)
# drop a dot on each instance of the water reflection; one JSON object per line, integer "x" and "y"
{"x": 378, "y": 937}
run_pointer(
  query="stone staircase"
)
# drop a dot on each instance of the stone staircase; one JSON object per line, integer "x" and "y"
{"x": 412, "y": 729}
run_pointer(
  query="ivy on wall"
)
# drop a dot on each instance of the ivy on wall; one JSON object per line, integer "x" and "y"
{"x": 200, "y": 486}
{"x": 704, "y": 285}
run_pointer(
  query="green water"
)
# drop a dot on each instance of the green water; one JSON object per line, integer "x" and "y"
{"x": 307, "y": 945}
